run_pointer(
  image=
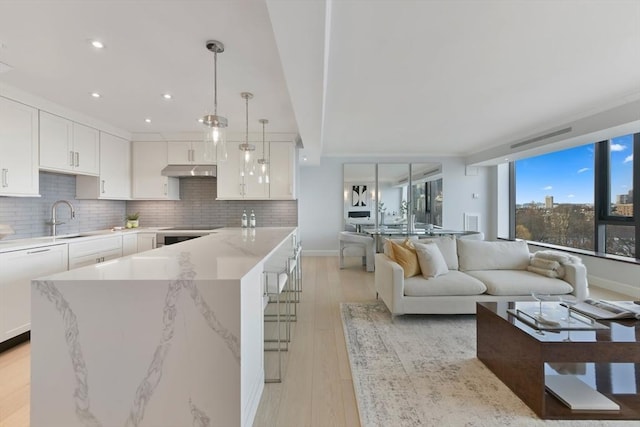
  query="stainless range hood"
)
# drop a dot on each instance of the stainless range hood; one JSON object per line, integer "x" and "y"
{"x": 190, "y": 170}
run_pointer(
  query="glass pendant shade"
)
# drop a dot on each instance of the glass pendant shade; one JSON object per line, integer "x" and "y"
{"x": 263, "y": 171}
{"x": 215, "y": 146}
{"x": 248, "y": 166}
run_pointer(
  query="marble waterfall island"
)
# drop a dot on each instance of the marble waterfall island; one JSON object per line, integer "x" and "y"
{"x": 169, "y": 337}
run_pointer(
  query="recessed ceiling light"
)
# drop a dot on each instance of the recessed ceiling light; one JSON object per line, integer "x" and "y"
{"x": 200, "y": 120}
{"x": 304, "y": 158}
{"x": 95, "y": 94}
{"x": 167, "y": 96}
{"x": 147, "y": 120}
{"x": 97, "y": 44}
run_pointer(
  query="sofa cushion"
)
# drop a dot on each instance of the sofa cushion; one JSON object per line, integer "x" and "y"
{"x": 432, "y": 263}
{"x": 448, "y": 248}
{"x": 483, "y": 255}
{"x": 453, "y": 283}
{"x": 519, "y": 282}
{"x": 407, "y": 258}
{"x": 386, "y": 247}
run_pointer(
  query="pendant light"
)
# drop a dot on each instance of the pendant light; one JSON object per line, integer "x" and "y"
{"x": 248, "y": 162}
{"x": 263, "y": 162}
{"x": 215, "y": 125}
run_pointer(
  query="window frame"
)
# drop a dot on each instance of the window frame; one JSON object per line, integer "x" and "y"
{"x": 602, "y": 198}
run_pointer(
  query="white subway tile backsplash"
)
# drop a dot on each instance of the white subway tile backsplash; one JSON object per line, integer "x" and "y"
{"x": 198, "y": 207}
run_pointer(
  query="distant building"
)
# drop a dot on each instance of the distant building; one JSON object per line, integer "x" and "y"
{"x": 548, "y": 202}
{"x": 625, "y": 209}
{"x": 623, "y": 199}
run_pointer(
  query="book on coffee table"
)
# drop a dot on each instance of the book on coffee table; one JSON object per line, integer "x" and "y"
{"x": 607, "y": 310}
{"x": 578, "y": 322}
{"x": 577, "y": 395}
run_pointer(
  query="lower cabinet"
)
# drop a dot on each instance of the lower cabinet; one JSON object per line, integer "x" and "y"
{"x": 146, "y": 241}
{"x": 17, "y": 268}
{"x": 129, "y": 244}
{"x": 94, "y": 251}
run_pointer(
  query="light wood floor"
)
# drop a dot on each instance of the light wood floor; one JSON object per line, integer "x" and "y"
{"x": 316, "y": 389}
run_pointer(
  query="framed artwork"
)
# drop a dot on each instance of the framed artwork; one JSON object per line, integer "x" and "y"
{"x": 359, "y": 196}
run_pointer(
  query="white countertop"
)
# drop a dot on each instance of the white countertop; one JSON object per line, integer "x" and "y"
{"x": 37, "y": 242}
{"x": 227, "y": 253}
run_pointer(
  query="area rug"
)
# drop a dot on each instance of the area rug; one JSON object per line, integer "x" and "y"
{"x": 421, "y": 370}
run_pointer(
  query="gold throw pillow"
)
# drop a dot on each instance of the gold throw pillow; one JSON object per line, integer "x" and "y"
{"x": 407, "y": 259}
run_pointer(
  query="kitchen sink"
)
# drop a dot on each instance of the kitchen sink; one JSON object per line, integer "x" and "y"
{"x": 74, "y": 236}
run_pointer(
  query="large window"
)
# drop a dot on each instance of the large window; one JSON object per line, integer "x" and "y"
{"x": 554, "y": 198}
{"x": 621, "y": 176}
{"x": 581, "y": 197}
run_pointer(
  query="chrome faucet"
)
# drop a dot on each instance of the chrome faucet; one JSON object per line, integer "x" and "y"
{"x": 55, "y": 222}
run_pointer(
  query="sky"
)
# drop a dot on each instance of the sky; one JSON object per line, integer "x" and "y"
{"x": 568, "y": 175}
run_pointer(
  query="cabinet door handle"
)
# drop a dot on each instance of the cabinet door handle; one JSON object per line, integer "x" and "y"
{"x": 165, "y": 190}
{"x": 153, "y": 243}
{"x": 71, "y": 155}
{"x": 38, "y": 251}
{"x": 102, "y": 188}
{"x": 77, "y": 159}
{"x": 191, "y": 155}
{"x": 102, "y": 259}
{"x": 5, "y": 177}
{"x": 97, "y": 260}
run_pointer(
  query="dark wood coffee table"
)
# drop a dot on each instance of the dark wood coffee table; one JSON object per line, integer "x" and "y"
{"x": 518, "y": 355}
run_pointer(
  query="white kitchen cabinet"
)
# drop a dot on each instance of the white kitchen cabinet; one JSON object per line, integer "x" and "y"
{"x": 232, "y": 185}
{"x": 17, "y": 269}
{"x": 94, "y": 251}
{"x": 146, "y": 241}
{"x": 187, "y": 153}
{"x": 18, "y": 149}
{"x": 148, "y": 160}
{"x": 129, "y": 244}
{"x": 67, "y": 146}
{"x": 228, "y": 181}
{"x": 114, "y": 181}
{"x": 282, "y": 167}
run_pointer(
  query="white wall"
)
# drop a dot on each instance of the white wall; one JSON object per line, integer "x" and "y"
{"x": 320, "y": 205}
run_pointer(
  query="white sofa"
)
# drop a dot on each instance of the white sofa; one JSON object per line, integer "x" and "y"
{"x": 477, "y": 271}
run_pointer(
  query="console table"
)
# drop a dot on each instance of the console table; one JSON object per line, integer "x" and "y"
{"x": 520, "y": 356}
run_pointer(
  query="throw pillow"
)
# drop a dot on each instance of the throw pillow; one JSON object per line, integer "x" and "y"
{"x": 430, "y": 259}
{"x": 448, "y": 248}
{"x": 406, "y": 258}
{"x": 404, "y": 242}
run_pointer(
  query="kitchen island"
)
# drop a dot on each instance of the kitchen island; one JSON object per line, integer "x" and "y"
{"x": 167, "y": 337}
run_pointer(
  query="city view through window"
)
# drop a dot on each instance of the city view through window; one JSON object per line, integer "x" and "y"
{"x": 555, "y": 195}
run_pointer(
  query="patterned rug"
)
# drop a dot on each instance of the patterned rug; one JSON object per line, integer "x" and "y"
{"x": 422, "y": 370}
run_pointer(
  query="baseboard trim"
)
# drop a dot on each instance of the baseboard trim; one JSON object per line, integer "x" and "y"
{"x": 613, "y": 286}
{"x": 307, "y": 252}
{"x": 12, "y": 342}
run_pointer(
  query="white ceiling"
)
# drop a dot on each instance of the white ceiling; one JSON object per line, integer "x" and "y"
{"x": 357, "y": 78}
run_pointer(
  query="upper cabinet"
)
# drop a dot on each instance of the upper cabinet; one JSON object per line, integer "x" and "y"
{"x": 149, "y": 158}
{"x": 67, "y": 146}
{"x": 233, "y": 184}
{"x": 18, "y": 149}
{"x": 187, "y": 153}
{"x": 283, "y": 171}
{"x": 114, "y": 181}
